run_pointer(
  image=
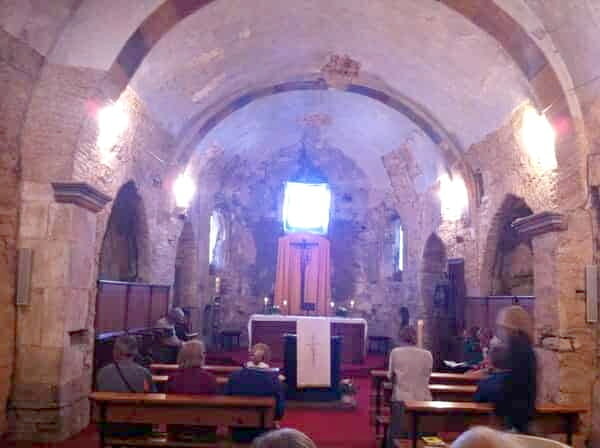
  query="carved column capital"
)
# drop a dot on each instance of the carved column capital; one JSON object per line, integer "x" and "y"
{"x": 540, "y": 223}
{"x": 81, "y": 194}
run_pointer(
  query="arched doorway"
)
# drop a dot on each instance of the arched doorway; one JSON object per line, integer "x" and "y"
{"x": 433, "y": 274}
{"x": 122, "y": 252}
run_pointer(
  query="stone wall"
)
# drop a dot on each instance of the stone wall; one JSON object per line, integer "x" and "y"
{"x": 19, "y": 70}
{"x": 59, "y": 143}
{"x": 566, "y": 343}
{"x": 361, "y": 234}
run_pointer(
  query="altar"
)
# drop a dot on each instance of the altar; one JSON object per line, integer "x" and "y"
{"x": 270, "y": 329}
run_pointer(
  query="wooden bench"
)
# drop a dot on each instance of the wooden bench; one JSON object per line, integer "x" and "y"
{"x": 444, "y": 416}
{"x": 160, "y": 381}
{"x": 162, "y": 369}
{"x": 380, "y": 377}
{"x": 161, "y": 409}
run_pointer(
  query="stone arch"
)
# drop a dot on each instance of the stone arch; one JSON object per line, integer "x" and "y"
{"x": 488, "y": 16}
{"x": 433, "y": 268}
{"x": 124, "y": 251}
{"x": 503, "y": 248}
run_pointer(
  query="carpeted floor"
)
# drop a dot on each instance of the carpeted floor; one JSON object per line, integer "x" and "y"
{"x": 329, "y": 428}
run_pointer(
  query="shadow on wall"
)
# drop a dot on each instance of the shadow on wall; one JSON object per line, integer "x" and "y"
{"x": 126, "y": 235}
{"x": 432, "y": 270}
{"x": 508, "y": 259}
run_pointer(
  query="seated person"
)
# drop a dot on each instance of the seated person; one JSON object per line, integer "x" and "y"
{"x": 472, "y": 351}
{"x": 191, "y": 378}
{"x": 284, "y": 438}
{"x": 169, "y": 343}
{"x": 124, "y": 375}
{"x": 259, "y": 355}
{"x": 492, "y": 388}
{"x": 410, "y": 368}
{"x": 259, "y": 382}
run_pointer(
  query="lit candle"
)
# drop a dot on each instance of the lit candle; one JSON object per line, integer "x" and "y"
{"x": 332, "y": 304}
{"x": 285, "y": 303}
{"x": 217, "y": 285}
{"x": 420, "y": 328}
{"x": 266, "y": 301}
{"x": 351, "y": 303}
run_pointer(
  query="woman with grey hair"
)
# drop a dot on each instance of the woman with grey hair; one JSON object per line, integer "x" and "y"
{"x": 284, "y": 438}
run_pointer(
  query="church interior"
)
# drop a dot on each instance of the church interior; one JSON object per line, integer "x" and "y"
{"x": 324, "y": 168}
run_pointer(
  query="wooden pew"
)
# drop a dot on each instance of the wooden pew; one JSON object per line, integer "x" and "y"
{"x": 443, "y": 416}
{"x": 161, "y": 409}
{"x": 165, "y": 369}
{"x": 439, "y": 392}
{"x": 379, "y": 377}
{"x": 160, "y": 381}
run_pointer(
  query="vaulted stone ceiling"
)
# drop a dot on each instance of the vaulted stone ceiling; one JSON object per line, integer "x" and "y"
{"x": 363, "y": 128}
{"x": 421, "y": 49}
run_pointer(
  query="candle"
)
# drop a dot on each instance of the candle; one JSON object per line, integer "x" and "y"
{"x": 266, "y": 300}
{"x": 420, "y": 328}
{"x": 351, "y": 303}
{"x": 285, "y": 303}
{"x": 217, "y": 285}
{"x": 332, "y": 304}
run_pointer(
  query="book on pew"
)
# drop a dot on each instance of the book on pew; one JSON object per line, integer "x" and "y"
{"x": 433, "y": 442}
{"x": 455, "y": 365}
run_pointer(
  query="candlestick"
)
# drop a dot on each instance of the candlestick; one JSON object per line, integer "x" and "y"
{"x": 420, "y": 328}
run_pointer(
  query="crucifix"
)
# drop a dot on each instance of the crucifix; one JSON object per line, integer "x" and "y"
{"x": 304, "y": 247}
{"x": 312, "y": 347}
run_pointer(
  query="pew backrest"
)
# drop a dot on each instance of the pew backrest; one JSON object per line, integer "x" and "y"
{"x": 216, "y": 370}
{"x": 207, "y": 410}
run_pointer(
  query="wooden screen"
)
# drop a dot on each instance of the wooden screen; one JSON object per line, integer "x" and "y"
{"x": 482, "y": 311}
{"x": 122, "y": 306}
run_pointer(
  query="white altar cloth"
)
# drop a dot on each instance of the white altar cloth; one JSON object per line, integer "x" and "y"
{"x": 285, "y": 318}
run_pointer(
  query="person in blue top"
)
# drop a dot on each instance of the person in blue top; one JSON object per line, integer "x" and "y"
{"x": 259, "y": 380}
{"x": 473, "y": 353}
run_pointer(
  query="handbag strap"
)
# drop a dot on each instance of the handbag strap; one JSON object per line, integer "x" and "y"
{"x": 131, "y": 389}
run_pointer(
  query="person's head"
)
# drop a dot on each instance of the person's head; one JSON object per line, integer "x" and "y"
{"x": 482, "y": 437}
{"x": 499, "y": 357}
{"x": 260, "y": 353}
{"x": 408, "y": 336}
{"x": 514, "y": 320}
{"x": 284, "y": 438}
{"x": 125, "y": 347}
{"x": 191, "y": 354}
{"x": 473, "y": 333}
{"x": 176, "y": 316}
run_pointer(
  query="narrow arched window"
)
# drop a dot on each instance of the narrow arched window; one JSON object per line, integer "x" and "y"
{"x": 399, "y": 249}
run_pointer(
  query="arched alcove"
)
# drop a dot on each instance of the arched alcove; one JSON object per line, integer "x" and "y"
{"x": 433, "y": 270}
{"x": 508, "y": 258}
{"x": 123, "y": 253}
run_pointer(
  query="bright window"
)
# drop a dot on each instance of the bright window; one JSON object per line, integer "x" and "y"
{"x": 213, "y": 237}
{"x": 399, "y": 255}
{"x": 306, "y": 207}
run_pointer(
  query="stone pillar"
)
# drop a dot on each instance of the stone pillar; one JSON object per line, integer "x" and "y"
{"x": 55, "y": 329}
{"x": 565, "y": 341}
